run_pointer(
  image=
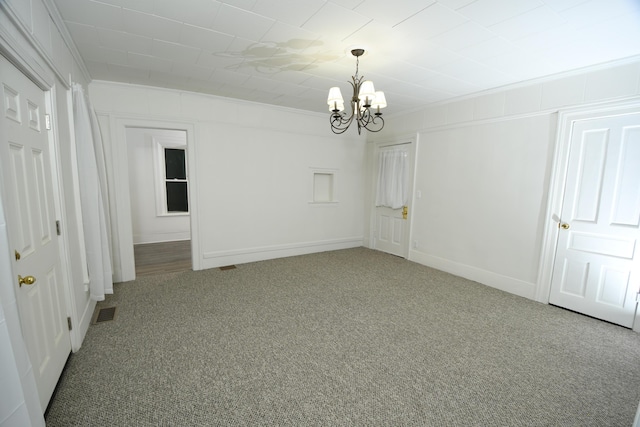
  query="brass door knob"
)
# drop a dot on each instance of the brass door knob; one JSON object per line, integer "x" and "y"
{"x": 27, "y": 280}
{"x": 564, "y": 226}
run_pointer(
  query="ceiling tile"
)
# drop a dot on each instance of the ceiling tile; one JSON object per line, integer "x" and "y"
{"x": 242, "y": 4}
{"x": 549, "y": 39}
{"x": 191, "y": 71}
{"x": 203, "y": 38}
{"x": 490, "y": 12}
{"x": 128, "y": 74}
{"x": 529, "y": 23}
{"x": 290, "y": 38}
{"x": 83, "y": 34}
{"x": 255, "y": 82}
{"x": 156, "y": 27}
{"x": 175, "y": 52}
{"x": 335, "y": 21}
{"x": 229, "y": 77}
{"x": 241, "y": 23}
{"x": 455, "y": 4}
{"x": 164, "y": 78}
{"x": 293, "y": 12}
{"x": 560, "y": 5}
{"x": 488, "y": 48}
{"x": 475, "y": 73}
{"x": 198, "y": 12}
{"x": 448, "y": 84}
{"x": 347, "y": 4}
{"x": 97, "y": 70}
{"x": 379, "y": 40}
{"x": 119, "y": 39}
{"x": 103, "y": 54}
{"x": 391, "y": 13}
{"x": 139, "y": 5}
{"x": 465, "y": 35}
{"x": 218, "y": 60}
{"x": 520, "y": 65}
{"x": 93, "y": 13}
{"x": 152, "y": 63}
{"x": 430, "y": 55}
{"x": 595, "y": 11}
{"x": 430, "y": 22}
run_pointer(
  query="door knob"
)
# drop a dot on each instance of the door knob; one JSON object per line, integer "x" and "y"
{"x": 564, "y": 226}
{"x": 27, "y": 280}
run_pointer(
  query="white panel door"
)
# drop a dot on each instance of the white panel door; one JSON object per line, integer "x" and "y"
{"x": 28, "y": 193}
{"x": 391, "y": 232}
{"x": 596, "y": 269}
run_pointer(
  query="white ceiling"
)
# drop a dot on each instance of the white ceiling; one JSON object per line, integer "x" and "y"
{"x": 289, "y": 52}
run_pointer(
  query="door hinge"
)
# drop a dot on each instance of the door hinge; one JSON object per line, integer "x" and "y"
{"x": 47, "y": 122}
{"x": 69, "y": 323}
{"x": 58, "y": 227}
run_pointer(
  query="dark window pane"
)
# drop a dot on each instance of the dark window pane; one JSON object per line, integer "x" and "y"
{"x": 177, "y": 197}
{"x": 174, "y": 162}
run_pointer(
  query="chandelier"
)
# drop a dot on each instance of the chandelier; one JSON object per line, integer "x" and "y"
{"x": 365, "y": 104}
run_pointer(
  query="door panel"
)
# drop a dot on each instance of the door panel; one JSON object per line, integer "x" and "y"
{"x": 28, "y": 193}
{"x": 596, "y": 266}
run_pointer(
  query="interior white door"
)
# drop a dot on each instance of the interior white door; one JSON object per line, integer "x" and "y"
{"x": 596, "y": 268}
{"x": 391, "y": 225}
{"x": 28, "y": 193}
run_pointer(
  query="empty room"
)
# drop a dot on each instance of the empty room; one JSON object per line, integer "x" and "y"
{"x": 320, "y": 212}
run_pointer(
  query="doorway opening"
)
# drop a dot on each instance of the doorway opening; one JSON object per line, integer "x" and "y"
{"x": 159, "y": 196}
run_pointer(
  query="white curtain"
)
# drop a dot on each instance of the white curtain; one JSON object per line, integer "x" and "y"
{"x": 393, "y": 179}
{"x": 93, "y": 195}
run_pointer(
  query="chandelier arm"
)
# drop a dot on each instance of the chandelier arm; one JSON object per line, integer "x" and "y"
{"x": 340, "y": 122}
{"x": 372, "y": 122}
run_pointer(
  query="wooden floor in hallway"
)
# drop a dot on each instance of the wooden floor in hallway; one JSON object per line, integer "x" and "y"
{"x": 164, "y": 257}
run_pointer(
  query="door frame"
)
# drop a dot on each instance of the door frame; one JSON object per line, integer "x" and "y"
{"x": 48, "y": 86}
{"x": 557, "y": 182}
{"x": 412, "y": 142}
{"x": 122, "y": 233}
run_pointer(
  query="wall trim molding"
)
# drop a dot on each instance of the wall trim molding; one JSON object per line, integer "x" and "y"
{"x": 488, "y": 278}
{"x": 263, "y": 253}
{"x": 66, "y": 37}
{"x": 15, "y": 51}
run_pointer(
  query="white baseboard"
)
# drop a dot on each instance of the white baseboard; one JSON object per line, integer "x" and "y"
{"x": 494, "y": 280}
{"x": 242, "y": 256}
{"x": 80, "y": 326}
{"x": 161, "y": 237}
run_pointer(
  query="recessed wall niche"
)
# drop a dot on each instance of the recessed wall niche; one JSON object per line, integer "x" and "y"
{"x": 323, "y": 186}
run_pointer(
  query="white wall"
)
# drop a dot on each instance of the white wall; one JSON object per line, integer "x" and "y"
{"x": 483, "y": 167}
{"x": 251, "y": 169}
{"x": 31, "y": 37}
{"x": 147, "y": 225}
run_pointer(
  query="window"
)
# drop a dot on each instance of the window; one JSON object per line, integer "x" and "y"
{"x": 176, "y": 180}
{"x": 171, "y": 174}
